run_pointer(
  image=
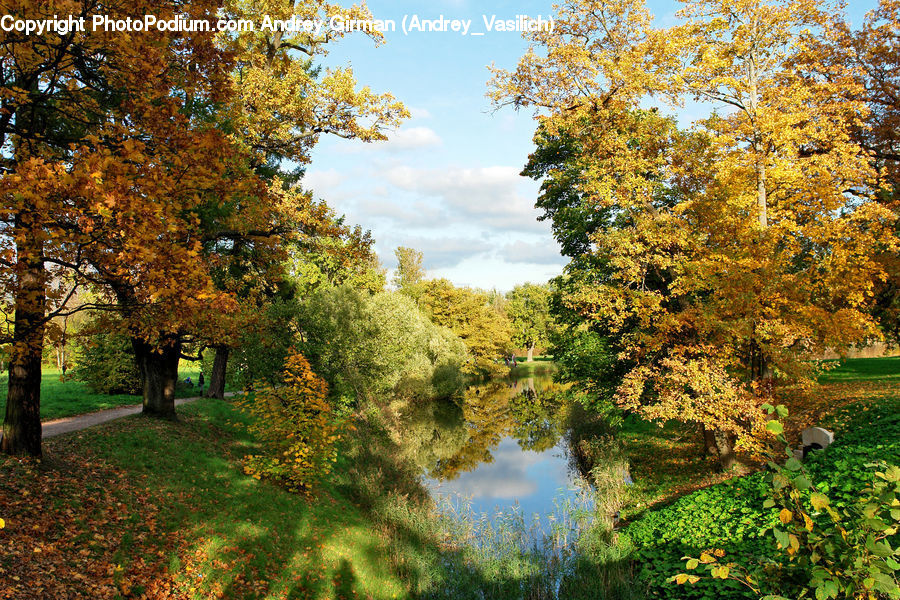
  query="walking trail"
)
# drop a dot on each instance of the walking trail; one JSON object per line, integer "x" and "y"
{"x": 79, "y": 422}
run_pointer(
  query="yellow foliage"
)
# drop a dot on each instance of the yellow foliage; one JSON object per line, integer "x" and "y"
{"x": 739, "y": 248}
{"x": 785, "y": 516}
{"x": 297, "y": 426}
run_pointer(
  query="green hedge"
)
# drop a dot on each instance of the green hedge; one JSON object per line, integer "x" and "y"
{"x": 730, "y": 515}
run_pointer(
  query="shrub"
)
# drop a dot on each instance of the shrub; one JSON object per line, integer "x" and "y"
{"x": 105, "y": 362}
{"x": 296, "y": 426}
{"x": 825, "y": 552}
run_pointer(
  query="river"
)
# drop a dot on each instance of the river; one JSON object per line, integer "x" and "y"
{"x": 502, "y": 447}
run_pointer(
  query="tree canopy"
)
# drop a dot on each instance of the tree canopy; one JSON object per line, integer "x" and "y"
{"x": 528, "y": 308}
{"x": 720, "y": 255}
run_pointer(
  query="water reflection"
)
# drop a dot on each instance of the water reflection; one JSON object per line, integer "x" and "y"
{"x": 500, "y": 446}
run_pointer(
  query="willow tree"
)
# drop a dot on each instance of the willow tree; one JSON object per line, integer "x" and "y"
{"x": 732, "y": 251}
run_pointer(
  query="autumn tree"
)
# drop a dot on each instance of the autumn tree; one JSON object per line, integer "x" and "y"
{"x": 528, "y": 308}
{"x": 874, "y": 51}
{"x": 586, "y": 353}
{"x": 726, "y": 253}
{"x": 89, "y": 127}
{"x": 485, "y": 330}
{"x": 282, "y": 102}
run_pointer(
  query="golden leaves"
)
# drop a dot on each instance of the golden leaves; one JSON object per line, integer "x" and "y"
{"x": 733, "y": 241}
{"x": 297, "y": 425}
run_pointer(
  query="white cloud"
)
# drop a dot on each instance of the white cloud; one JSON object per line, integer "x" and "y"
{"x": 322, "y": 181}
{"x": 539, "y": 253}
{"x": 403, "y": 215}
{"x": 487, "y": 196}
{"x": 419, "y": 113}
{"x": 410, "y": 138}
{"x": 399, "y": 140}
{"x": 440, "y": 252}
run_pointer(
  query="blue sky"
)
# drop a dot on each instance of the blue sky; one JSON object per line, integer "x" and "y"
{"x": 447, "y": 182}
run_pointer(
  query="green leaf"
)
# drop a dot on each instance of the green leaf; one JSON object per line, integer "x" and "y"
{"x": 775, "y": 427}
{"x": 782, "y": 538}
{"x": 793, "y": 464}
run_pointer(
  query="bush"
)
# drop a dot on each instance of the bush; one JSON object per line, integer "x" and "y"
{"x": 105, "y": 362}
{"x": 826, "y": 552}
{"x": 370, "y": 345}
{"x": 296, "y": 426}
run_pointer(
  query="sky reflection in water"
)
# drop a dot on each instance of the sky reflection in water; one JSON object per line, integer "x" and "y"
{"x": 511, "y": 452}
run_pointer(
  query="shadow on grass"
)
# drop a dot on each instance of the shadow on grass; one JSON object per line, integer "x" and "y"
{"x": 229, "y": 535}
{"x": 370, "y": 533}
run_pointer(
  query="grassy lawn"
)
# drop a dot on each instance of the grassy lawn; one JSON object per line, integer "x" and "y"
{"x": 64, "y": 398}
{"x": 862, "y": 369}
{"x": 145, "y": 507}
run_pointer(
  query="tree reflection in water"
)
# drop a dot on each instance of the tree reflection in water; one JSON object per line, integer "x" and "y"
{"x": 447, "y": 438}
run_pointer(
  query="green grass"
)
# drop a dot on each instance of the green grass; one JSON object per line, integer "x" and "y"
{"x": 69, "y": 397}
{"x": 542, "y": 365}
{"x": 242, "y": 529}
{"x": 862, "y": 369}
{"x": 217, "y": 532}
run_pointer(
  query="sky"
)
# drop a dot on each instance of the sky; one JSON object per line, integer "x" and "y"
{"x": 447, "y": 181}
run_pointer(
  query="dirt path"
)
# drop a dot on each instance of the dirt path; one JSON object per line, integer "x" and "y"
{"x": 79, "y": 422}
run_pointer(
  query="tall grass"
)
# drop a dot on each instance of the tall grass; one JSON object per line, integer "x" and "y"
{"x": 505, "y": 555}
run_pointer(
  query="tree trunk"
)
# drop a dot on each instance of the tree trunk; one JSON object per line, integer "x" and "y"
{"x": 725, "y": 448}
{"x": 217, "y": 378}
{"x": 531, "y": 353}
{"x": 767, "y": 381}
{"x": 758, "y": 148}
{"x": 159, "y": 376}
{"x": 22, "y": 425}
{"x": 762, "y": 374}
{"x": 709, "y": 441}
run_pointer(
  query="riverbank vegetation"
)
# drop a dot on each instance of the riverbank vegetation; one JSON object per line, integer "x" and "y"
{"x": 187, "y": 520}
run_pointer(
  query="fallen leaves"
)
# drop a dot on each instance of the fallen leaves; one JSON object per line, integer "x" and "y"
{"x": 66, "y": 529}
